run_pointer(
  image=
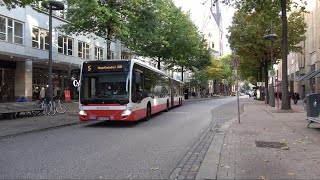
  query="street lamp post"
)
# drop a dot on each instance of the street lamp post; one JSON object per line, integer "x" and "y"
{"x": 271, "y": 37}
{"x": 51, "y": 6}
{"x": 277, "y": 83}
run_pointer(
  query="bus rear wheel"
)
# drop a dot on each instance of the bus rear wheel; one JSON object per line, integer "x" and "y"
{"x": 167, "y": 109}
{"x": 148, "y": 112}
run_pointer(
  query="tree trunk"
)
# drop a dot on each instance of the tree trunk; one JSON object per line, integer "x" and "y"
{"x": 285, "y": 104}
{"x": 109, "y": 39}
{"x": 182, "y": 73}
{"x": 159, "y": 60}
{"x": 266, "y": 84}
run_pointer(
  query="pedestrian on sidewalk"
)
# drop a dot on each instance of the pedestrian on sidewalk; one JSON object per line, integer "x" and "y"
{"x": 42, "y": 94}
{"x": 295, "y": 98}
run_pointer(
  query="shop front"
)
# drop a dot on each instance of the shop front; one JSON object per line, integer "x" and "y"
{"x": 61, "y": 82}
{"x": 7, "y": 83}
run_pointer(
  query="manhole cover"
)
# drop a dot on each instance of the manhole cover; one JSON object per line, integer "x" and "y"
{"x": 265, "y": 144}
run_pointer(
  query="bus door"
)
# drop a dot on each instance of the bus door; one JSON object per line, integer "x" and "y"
{"x": 137, "y": 93}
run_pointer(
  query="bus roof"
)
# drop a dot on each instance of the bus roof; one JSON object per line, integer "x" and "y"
{"x": 137, "y": 62}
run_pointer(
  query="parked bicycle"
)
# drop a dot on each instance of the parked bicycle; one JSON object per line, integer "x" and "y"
{"x": 51, "y": 110}
{"x": 52, "y": 107}
{"x": 59, "y": 107}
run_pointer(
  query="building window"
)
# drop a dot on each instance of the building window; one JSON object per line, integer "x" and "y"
{"x": 3, "y": 28}
{"x": 60, "y": 13}
{"x": 40, "y": 38}
{"x": 83, "y": 50}
{"x": 124, "y": 55}
{"x": 11, "y": 30}
{"x": 65, "y": 45}
{"x": 98, "y": 53}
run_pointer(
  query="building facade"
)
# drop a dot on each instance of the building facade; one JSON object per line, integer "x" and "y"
{"x": 24, "y": 52}
{"x": 304, "y": 68}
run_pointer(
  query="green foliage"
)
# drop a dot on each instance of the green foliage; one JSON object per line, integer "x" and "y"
{"x": 104, "y": 18}
{"x": 249, "y": 27}
{"x": 220, "y": 68}
{"x": 10, "y": 4}
{"x": 162, "y": 30}
{"x": 246, "y": 86}
{"x": 200, "y": 79}
{"x": 152, "y": 28}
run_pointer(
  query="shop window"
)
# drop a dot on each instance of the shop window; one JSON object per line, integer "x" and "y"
{"x": 6, "y": 85}
{"x": 11, "y": 30}
{"x": 65, "y": 45}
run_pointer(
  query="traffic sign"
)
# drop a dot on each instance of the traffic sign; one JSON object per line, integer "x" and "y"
{"x": 272, "y": 73}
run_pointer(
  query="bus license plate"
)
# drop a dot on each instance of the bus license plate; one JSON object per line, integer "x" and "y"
{"x": 92, "y": 117}
{"x": 103, "y": 118}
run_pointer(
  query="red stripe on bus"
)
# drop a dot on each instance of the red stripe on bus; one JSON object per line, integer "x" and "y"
{"x": 116, "y": 114}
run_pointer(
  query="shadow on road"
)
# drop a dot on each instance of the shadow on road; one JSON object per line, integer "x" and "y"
{"x": 112, "y": 124}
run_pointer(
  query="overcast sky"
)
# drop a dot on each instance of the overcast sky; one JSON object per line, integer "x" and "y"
{"x": 199, "y": 12}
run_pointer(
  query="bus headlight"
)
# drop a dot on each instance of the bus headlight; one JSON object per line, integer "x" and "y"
{"x": 82, "y": 113}
{"x": 126, "y": 113}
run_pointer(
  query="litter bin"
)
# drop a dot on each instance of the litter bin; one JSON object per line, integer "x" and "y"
{"x": 313, "y": 105}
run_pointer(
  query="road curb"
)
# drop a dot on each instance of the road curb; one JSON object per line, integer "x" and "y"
{"x": 210, "y": 164}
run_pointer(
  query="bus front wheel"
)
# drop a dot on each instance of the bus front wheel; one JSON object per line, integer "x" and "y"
{"x": 167, "y": 109}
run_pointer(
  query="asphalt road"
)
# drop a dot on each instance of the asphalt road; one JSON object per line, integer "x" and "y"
{"x": 144, "y": 150}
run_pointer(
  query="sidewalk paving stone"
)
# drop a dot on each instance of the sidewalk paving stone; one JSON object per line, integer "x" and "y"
{"x": 240, "y": 158}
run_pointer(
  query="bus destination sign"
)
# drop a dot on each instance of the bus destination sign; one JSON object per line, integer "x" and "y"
{"x": 110, "y": 67}
{"x": 99, "y": 67}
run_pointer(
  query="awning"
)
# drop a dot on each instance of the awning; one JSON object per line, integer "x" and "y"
{"x": 312, "y": 75}
{"x": 304, "y": 76}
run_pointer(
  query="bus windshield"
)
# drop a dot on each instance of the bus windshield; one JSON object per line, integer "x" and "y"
{"x": 105, "y": 88}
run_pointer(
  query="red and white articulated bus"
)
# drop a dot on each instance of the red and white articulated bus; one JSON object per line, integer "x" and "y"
{"x": 125, "y": 90}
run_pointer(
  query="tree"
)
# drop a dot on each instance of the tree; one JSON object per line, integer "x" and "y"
{"x": 104, "y": 18}
{"x": 220, "y": 70}
{"x": 10, "y": 4}
{"x": 162, "y": 30}
{"x": 152, "y": 28}
{"x": 148, "y": 31}
{"x": 254, "y": 14}
{"x": 285, "y": 104}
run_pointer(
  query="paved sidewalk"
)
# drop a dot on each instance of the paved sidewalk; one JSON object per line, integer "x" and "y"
{"x": 11, "y": 127}
{"x": 233, "y": 153}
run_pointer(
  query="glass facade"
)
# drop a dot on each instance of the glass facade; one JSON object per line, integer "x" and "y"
{"x": 7, "y": 74}
{"x": 40, "y": 79}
